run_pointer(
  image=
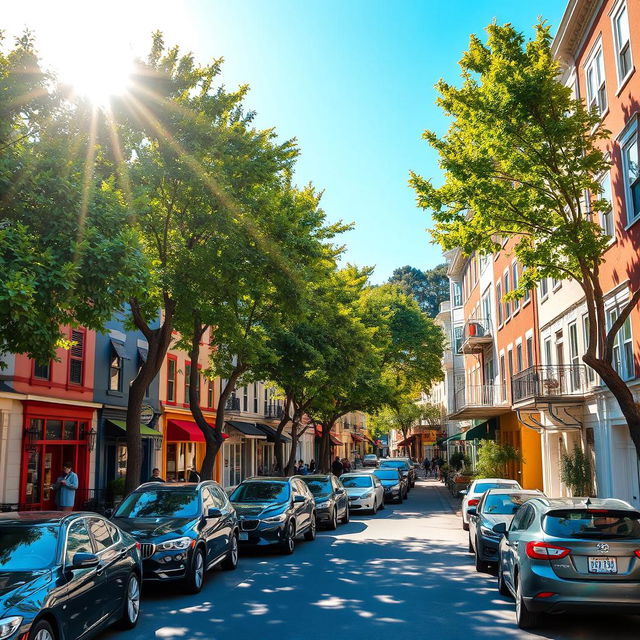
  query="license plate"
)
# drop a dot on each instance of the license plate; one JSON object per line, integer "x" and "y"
{"x": 603, "y": 565}
{"x": 244, "y": 535}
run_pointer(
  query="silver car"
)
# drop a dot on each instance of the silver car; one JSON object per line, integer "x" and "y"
{"x": 471, "y": 496}
{"x": 365, "y": 491}
{"x": 570, "y": 554}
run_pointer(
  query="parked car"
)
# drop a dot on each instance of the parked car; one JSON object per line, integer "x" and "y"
{"x": 66, "y": 575}
{"x": 401, "y": 465}
{"x": 471, "y": 496}
{"x": 496, "y": 505}
{"x": 395, "y": 486}
{"x": 365, "y": 491}
{"x": 332, "y": 502}
{"x": 569, "y": 554}
{"x": 274, "y": 511}
{"x": 370, "y": 460}
{"x": 184, "y": 530}
{"x": 413, "y": 470}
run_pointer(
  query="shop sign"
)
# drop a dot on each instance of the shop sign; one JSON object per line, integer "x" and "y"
{"x": 146, "y": 414}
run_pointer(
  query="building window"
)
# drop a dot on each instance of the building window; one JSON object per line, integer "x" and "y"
{"x": 42, "y": 371}
{"x": 457, "y": 339}
{"x": 503, "y": 372}
{"x": 544, "y": 289}
{"x": 245, "y": 398}
{"x": 187, "y": 381}
{"x": 585, "y": 341}
{"x": 530, "y": 351}
{"x": 515, "y": 281}
{"x": 507, "y": 304}
{"x": 596, "y": 84}
{"x": 547, "y": 352}
{"x": 574, "y": 356}
{"x": 210, "y": 393}
{"x": 255, "y": 397}
{"x": 457, "y": 294}
{"x": 631, "y": 175}
{"x": 76, "y": 357}
{"x": 171, "y": 379}
{"x": 606, "y": 218}
{"x": 622, "y": 42}
{"x": 622, "y": 359}
{"x": 499, "y": 302}
{"x": 266, "y": 401}
{"x": 510, "y": 361}
{"x": 519, "y": 362}
{"x": 115, "y": 371}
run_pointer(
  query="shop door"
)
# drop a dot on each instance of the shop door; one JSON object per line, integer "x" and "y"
{"x": 54, "y": 458}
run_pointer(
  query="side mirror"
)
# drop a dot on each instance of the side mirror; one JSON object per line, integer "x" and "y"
{"x": 85, "y": 560}
{"x": 500, "y": 528}
{"x": 299, "y": 498}
{"x": 214, "y": 513}
{"x": 463, "y": 492}
{"x": 471, "y": 511}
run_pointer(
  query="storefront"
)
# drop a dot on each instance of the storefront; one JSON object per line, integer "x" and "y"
{"x": 265, "y": 450}
{"x": 55, "y": 434}
{"x": 240, "y": 451}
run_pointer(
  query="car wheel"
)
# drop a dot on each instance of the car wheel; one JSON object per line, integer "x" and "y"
{"x": 310, "y": 533}
{"x": 288, "y": 543}
{"x": 375, "y": 507}
{"x": 525, "y": 619}
{"x": 481, "y": 565}
{"x": 333, "y": 523}
{"x": 42, "y": 631}
{"x": 465, "y": 525}
{"x": 382, "y": 505}
{"x": 195, "y": 578}
{"x": 502, "y": 585}
{"x": 346, "y": 516}
{"x": 131, "y": 607}
{"x": 231, "y": 561}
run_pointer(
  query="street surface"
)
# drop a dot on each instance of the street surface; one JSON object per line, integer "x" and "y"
{"x": 403, "y": 573}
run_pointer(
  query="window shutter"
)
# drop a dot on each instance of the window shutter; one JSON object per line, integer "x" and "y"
{"x": 77, "y": 350}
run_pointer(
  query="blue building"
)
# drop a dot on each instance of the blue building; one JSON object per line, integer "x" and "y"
{"x": 120, "y": 353}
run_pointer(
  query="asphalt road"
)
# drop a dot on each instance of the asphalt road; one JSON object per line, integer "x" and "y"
{"x": 403, "y": 573}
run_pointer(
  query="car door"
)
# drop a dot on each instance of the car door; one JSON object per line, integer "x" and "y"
{"x": 378, "y": 489}
{"x": 301, "y": 508}
{"x": 341, "y": 495}
{"x": 518, "y": 527}
{"x": 212, "y": 528}
{"x": 85, "y": 604}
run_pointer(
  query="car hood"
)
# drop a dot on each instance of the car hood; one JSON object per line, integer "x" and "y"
{"x": 147, "y": 528}
{"x": 357, "y": 491}
{"x": 389, "y": 483}
{"x": 15, "y": 586}
{"x": 493, "y": 519}
{"x": 256, "y": 509}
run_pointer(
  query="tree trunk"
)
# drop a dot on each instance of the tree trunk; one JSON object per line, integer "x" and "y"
{"x": 325, "y": 445}
{"x": 295, "y": 423}
{"x": 159, "y": 341}
{"x": 212, "y": 437}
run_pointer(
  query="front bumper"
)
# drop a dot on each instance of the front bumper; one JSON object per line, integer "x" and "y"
{"x": 577, "y": 595}
{"x": 324, "y": 514}
{"x": 263, "y": 535}
{"x": 392, "y": 494}
{"x": 166, "y": 566}
{"x": 361, "y": 504}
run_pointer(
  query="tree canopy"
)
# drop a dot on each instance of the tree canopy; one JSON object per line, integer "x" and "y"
{"x": 429, "y": 287}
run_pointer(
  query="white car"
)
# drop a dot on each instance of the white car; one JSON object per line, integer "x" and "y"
{"x": 472, "y": 495}
{"x": 365, "y": 491}
{"x": 370, "y": 460}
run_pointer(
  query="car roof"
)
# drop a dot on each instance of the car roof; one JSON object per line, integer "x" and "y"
{"x": 269, "y": 479}
{"x": 553, "y": 504}
{"x": 370, "y": 455}
{"x": 174, "y": 486}
{"x": 316, "y": 476}
{"x": 510, "y": 492}
{"x": 42, "y": 517}
{"x": 477, "y": 480}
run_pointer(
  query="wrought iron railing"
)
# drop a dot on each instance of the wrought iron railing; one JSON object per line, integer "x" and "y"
{"x": 549, "y": 381}
{"x": 274, "y": 411}
{"x": 232, "y": 404}
{"x": 477, "y": 328}
{"x": 481, "y": 395}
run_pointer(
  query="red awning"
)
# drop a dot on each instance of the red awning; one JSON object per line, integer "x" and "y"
{"x": 333, "y": 439}
{"x": 407, "y": 442}
{"x": 357, "y": 438}
{"x": 186, "y": 431}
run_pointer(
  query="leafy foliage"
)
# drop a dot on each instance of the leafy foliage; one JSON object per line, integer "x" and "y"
{"x": 494, "y": 458}
{"x": 429, "y": 288}
{"x": 576, "y": 472}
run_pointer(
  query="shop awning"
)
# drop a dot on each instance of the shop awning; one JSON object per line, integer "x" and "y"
{"x": 118, "y": 347}
{"x": 271, "y": 433}
{"x": 456, "y": 436}
{"x": 143, "y": 354}
{"x": 484, "y": 431}
{"x": 407, "y": 442}
{"x": 333, "y": 438}
{"x": 357, "y": 438}
{"x": 186, "y": 431}
{"x": 247, "y": 429}
{"x": 145, "y": 432}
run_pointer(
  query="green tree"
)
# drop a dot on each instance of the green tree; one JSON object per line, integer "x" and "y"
{"x": 518, "y": 158}
{"x": 68, "y": 255}
{"x": 402, "y": 416}
{"x": 575, "y": 472}
{"x": 494, "y": 459}
{"x": 429, "y": 287}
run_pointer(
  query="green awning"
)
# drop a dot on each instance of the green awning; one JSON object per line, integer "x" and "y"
{"x": 145, "y": 432}
{"x": 456, "y": 436}
{"x": 484, "y": 431}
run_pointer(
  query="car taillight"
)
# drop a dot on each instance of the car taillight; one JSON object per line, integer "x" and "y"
{"x": 545, "y": 551}
{"x": 473, "y": 502}
{"x": 637, "y": 552}
{"x": 138, "y": 546}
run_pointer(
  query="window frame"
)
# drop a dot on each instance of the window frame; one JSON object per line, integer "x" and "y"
{"x": 499, "y": 303}
{"x": 595, "y": 61}
{"x": 629, "y": 140}
{"x": 544, "y": 289}
{"x": 456, "y": 296}
{"x": 171, "y": 382}
{"x": 80, "y": 331}
{"x": 187, "y": 381}
{"x": 606, "y": 177}
{"x": 115, "y": 357}
{"x": 619, "y": 47}
{"x": 507, "y": 304}
{"x": 40, "y": 378}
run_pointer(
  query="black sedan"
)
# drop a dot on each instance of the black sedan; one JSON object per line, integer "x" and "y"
{"x": 184, "y": 529}
{"x": 332, "y": 502}
{"x": 395, "y": 486}
{"x": 495, "y": 506}
{"x": 403, "y": 466}
{"x": 65, "y": 576}
{"x": 274, "y": 511}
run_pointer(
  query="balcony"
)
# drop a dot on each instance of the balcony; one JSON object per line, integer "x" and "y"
{"x": 477, "y": 335}
{"x": 274, "y": 410}
{"x": 232, "y": 404}
{"x": 550, "y": 384}
{"x": 480, "y": 402}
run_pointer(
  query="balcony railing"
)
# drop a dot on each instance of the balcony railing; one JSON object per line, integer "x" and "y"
{"x": 476, "y": 334}
{"x": 232, "y": 404}
{"x": 481, "y": 401}
{"x": 561, "y": 383}
{"x": 274, "y": 411}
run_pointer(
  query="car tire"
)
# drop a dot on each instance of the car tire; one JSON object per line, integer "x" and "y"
{"x": 310, "y": 533}
{"x": 347, "y": 516}
{"x": 481, "y": 565}
{"x": 525, "y": 619}
{"x": 465, "y": 526}
{"x": 375, "y": 507}
{"x": 382, "y": 505}
{"x": 131, "y": 606}
{"x": 502, "y": 585}
{"x": 288, "y": 543}
{"x": 231, "y": 560}
{"x": 42, "y": 631}
{"x": 195, "y": 577}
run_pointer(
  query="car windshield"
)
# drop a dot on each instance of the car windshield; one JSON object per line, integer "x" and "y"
{"x": 397, "y": 464}
{"x": 318, "y": 486}
{"x": 356, "y": 482}
{"x": 481, "y": 487}
{"x": 505, "y": 504}
{"x": 27, "y": 547}
{"x": 592, "y": 523}
{"x": 261, "y": 492}
{"x": 387, "y": 474}
{"x": 159, "y": 504}
{"x": 371, "y": 456}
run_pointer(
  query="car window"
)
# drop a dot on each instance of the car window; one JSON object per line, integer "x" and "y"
{"x": 100, "y": 534}
{"x": 503, "y": 504}
{"x": 115, "y": 532}
{"x": 357, "y": 481}
{"x": 261, "y": 491}
{"x": 220, "y": 495}
{"x": 78, "y": 540}
{"x": 208, "y": 501}
{"x": 160, "y": 503}
{"x": 27, "y": 547}
{"x": 481, "y": 487}
{"x": 595, "y": 523}
{"x": 519, "y": 520}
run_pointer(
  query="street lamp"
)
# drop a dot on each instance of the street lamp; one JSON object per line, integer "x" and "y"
{"x": 90, "y": 436}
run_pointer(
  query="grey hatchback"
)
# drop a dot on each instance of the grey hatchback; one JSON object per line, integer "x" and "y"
{"x": 569, "y": 554}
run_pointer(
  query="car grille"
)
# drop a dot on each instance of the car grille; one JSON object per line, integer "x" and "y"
{"x": 249, "y": 525}
{"x": 147, "y": 550}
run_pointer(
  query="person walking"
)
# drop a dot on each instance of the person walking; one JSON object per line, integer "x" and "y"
{"x": 337, "y": 468}
{"x": 65, "y": 487}
{"x": 426, "y": 463}
{"x": 155, "y": 476}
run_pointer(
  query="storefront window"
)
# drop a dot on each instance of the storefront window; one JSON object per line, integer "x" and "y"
{"x": 54, "y": 429}
{"x": 121, "y": 459}
{"x": 70, "y": 430}
{"x": 36, "y": 426}
{"x": 32, "y": 491}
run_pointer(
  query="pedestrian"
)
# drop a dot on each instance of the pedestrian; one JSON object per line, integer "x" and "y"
{"x": 65, "y": 487}
{"x": 301, "y": 469}
{"x": 426, "y": 463}
{"x": 337, "y": 468}
{"x": 346, "y": 465}
{"x": 155, "y": 476}
{"x": 192, "y": 475}
{"x": 312, "y": 466}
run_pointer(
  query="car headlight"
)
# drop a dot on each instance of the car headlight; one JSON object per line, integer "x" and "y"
{"x": 396, "y": 487}
{"x": 490, "y": 533}
{"x": 367, "y": 494}
{"x": 8, "y": 626}
{"x": 322, "y": 505}
{"x": 281, "y": 517}
{"x": 175, "y": 544}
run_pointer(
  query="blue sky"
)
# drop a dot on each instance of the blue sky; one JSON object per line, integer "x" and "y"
{"x": 351, "y": 80}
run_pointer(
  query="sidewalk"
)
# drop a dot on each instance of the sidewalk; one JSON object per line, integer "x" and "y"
{"x": 444, "y": 496}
